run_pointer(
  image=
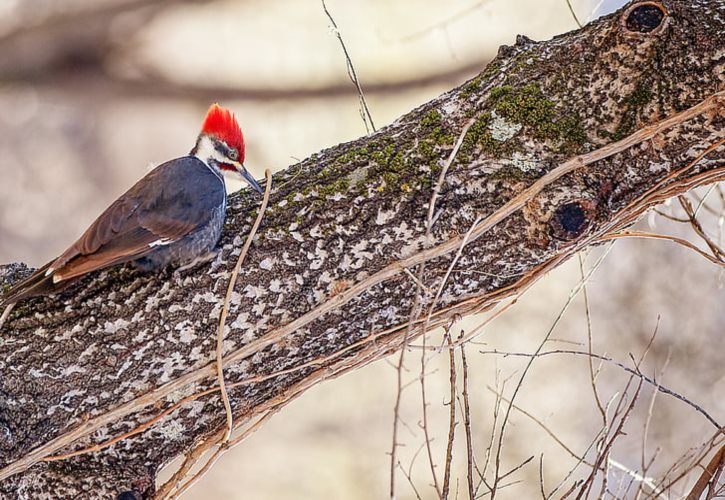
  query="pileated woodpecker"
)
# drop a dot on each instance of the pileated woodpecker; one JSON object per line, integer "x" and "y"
{"x": 174, "y": 215}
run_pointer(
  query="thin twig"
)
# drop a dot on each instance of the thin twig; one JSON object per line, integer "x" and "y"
{"x": 467, "y": 426}
{"x": 572, "y": 295}
{"x": 364, "y": 111}
{"x": 695, "y": 223}
{"x": 429, "y": 227}
{"x": 223, "y": 441}
{"x": 680, "y": 241}
{"x": 573, "y": 14}
{"x": 225, "y": 307}
{"x": 452, "y": 416}
{"x": 661, "y": 388}
{"x": 590, "y": 342}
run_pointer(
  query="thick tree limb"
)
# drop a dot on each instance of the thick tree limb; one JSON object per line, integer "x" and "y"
{"x": 572, "y": 140}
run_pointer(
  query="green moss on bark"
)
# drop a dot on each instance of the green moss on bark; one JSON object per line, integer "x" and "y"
{"x": 529, "y": 106}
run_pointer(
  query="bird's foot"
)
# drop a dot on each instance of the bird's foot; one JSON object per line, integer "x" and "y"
{"x": 201, "y": 259}
{"x": 6, "y": 314}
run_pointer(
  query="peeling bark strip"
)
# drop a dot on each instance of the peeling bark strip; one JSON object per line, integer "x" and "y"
{"x": 571, "y": 140}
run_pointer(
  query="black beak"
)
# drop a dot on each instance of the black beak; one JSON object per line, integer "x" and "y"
{"x": 251, "y": 180}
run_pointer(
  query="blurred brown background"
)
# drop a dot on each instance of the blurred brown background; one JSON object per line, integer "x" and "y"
{"x": 93, "y": 93}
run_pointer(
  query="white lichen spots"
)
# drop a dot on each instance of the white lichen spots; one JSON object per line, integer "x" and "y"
{"x": 655, "y": 167}
{"x": 524, "y": 162}
{"x": 119, "y": 324}
{"x": 318, "y": 256}
{"x": 451, "y": 107}
{"x": 228, "y": 346}
{"x": 187, "y": 333}
{"x": 275, "y": 286}
{"x": 66, "y": 335}
{"x": 389, "y": 313}
{"x": 235, "y": 299}
{"x": 253, "y": 292}
{"x": 259, "y": 308}
{"x": 299, "y": 279}
{"x": 318, "y": 296}
{"x": 501, "y": 129}
{"x": 384, "y": 216}
{"x": 35, "y": 373}
{"x": 345, "y": 263}
{"x": 172, "y": 430}
{"x": 65, "y": 401}
{"x": 125, "y": 366}
{"x": 88, "y": 351}
{"x": 403, "y": 232}
{"x": 241, "y": 322}
{"x": 360, "y": 252}
{"x": 141, "y": 336}
{"x": 70, "y": 370}
{"x": 287, "y": 260}
{"x": 174, "y": 362}
{"x": 357, "y": 175}
{"x": 316, "y": 231}
{"x": 412, "y": 247}
{"x": 267, "y": 264}
{"x": 207, "y": 297}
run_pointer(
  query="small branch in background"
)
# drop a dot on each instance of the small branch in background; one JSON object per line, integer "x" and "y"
{"x": 710, "y": 477}
{"x": 661, "y": 388}
{"x": 702, "y": 203}
{"x": 364, "y": 110}
{"x": 470, "y": 459}
{"x": 645, "y": 432}
{"x": 697, "y": 227}
{"x": 502, "y": 432}
{"x": 452, "y": 415}
{"x": 590, "y": 342}
{"x": 573, "y": 14}
{"x": 680, "y": 241}
{"x": 442, "y": 25}
{"x": 429, "y": 227}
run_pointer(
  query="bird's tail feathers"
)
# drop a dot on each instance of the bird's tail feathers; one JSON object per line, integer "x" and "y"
{"x": 38, "y": 283}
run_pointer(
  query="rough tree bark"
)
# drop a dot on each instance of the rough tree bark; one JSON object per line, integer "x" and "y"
{"x": 569, "y": 140}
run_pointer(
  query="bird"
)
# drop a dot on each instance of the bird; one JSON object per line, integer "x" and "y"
{"x": 172, "y": 216}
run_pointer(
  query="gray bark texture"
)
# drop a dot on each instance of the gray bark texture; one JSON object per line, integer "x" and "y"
{"x": 568, "y": 141}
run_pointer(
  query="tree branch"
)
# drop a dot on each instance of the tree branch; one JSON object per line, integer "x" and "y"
{"x": 570, "y": 142}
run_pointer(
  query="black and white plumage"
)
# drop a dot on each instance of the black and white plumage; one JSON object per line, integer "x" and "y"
{"x": 174, "y": 215}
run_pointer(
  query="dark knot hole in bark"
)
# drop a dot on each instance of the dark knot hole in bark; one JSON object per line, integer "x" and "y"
{"x": 569, "y": 221}
{"x": 644, "y": 17}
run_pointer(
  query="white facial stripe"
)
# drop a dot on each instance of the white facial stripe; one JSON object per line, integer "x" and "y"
{"x": 206, "y": 151}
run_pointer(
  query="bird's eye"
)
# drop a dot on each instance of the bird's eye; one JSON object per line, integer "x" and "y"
{"x": 233, "y": 154}
{"x": 644, "y": 17}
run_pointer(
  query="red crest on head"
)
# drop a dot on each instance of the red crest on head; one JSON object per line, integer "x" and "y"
{"x": 222, "y": 124}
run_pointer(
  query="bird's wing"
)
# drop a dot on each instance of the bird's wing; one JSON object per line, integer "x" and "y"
{"x": 170, "y": 202}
